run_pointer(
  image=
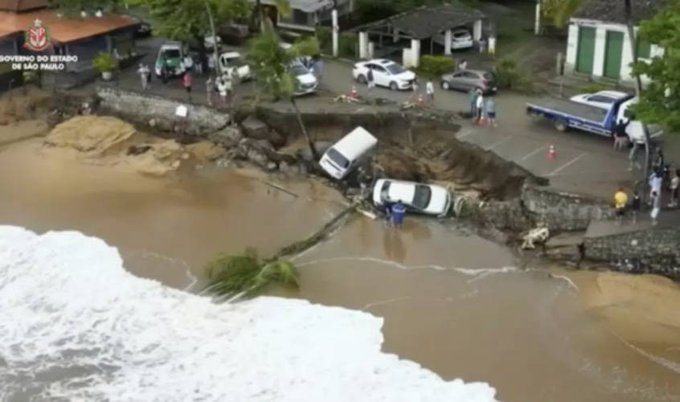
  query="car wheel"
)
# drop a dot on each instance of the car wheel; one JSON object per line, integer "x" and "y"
{"x": 393, "y": 86}
{"x": 362, "y": 80}
{"x": 445, "y": 85}
{"x": 561, "y": 125}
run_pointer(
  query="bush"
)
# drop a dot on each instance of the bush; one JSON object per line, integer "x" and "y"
{"x": 347, "y": 45}
{"x": 436, "y": 66}
{"x": 325, "y": 37}
{"x": 104, "y": 63}
{"x": 506, "y": 73}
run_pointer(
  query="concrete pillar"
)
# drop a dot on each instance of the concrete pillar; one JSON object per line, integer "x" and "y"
{"x": 363, "y": 45}
{"x": 447, "y": 42}
{"x": 371, "y": 49}
{"x": 395, "y": 32}
{"x": 537, "y": 21}
{"x": 477, "y": 30}
{"x": 109, "y": 44}
{"x": 598, "y": 59}
{"x": 336, "y": 29}
{"x": 626, "y": 58}
{"x": 572, "y": 44}
{"x": 415, "y": 52}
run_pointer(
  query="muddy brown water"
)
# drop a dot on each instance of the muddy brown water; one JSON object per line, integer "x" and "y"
{"x": 451, "y": 301}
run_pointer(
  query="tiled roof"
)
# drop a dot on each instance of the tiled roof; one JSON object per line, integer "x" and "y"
{"x": 613, "y": 10}
{"x": 65, "y": 29}
{"x": 22, "y": 5}
{"x": 424, "y": 22}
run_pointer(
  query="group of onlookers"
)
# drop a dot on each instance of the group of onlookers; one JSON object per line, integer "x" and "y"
{"x": 482, "y": 109}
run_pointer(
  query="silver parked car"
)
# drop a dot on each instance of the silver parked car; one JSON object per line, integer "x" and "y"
{"x": 464, "y": 80}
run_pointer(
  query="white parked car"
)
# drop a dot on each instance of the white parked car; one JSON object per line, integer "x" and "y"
{"x": 209, "y": 41}
{"x": 306, "y": 81}
{"x": 601, "y": 99}
{"x": 421, "y": 198}
{"x": 634, "y": 128}
{"x": 348, "y": 153}
{"x": 386, "y": 73}
{"x": 235, "y": 64}
{"x": 460, "y": 39}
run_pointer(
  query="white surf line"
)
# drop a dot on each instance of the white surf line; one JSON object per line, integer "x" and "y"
{"x": 566, "y": 165}
{"x": 497, "y": 143}
{"x": 383, "y": 302}
{"x": 670, "y": 365}
{"x": 534, "y": 152}
{"x": 567, "y": 279}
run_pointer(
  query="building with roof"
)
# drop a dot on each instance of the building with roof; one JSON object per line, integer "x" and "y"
{"x": 423, "y": 23}
{"x": 84, "y": 37}
{"x": 598, "y": 44}
{"x": 305, "y": 14}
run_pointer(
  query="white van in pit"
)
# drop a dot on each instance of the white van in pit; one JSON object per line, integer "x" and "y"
{"x": 346, "y": 154}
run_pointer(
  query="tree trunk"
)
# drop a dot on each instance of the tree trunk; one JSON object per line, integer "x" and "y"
{"x": 310, "y": 143}
{"x": 213, "y": 32}
{"x": 202, "y": 52}
{"x": 256, "y": 17}
{"x": 638, "y": 89}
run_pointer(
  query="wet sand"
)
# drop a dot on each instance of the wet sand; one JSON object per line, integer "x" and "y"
{"x": 451, "y": 301}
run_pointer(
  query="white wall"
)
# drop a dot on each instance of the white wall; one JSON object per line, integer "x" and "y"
{"x": 572, "y": 44}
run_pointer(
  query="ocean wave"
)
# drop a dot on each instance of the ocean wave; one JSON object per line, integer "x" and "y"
{"x": 75, "y": 325}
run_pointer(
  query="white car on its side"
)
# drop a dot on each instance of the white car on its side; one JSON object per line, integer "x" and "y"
{"x": 601, "y": 99}
{"x": 460, "y": 39}
{"x": 421, "y": 198}
{"x": 386, "y": 73}
{"x": 306, "y": 81}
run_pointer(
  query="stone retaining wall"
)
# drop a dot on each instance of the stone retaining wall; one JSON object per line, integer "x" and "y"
{"x": 655, "y": 250}
{"x": 156, "y": 111}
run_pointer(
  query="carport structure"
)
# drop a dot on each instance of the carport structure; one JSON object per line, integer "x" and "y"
{"x": 420, "y": 24}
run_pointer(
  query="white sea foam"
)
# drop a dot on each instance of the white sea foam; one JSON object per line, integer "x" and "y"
{"x": 75, "y": 325}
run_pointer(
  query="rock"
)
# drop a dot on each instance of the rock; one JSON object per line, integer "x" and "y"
{"x": 228, "y": 137}
{"x": 257, "y": 157}
{"x": 271, "y": 166}
{"x": 256, "y": 129}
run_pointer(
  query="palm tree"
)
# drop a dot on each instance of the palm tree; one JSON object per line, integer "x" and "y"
{"x": 632, "y": 40}
{"x": 236, "y": 276}
{"x": 270, "y": 62}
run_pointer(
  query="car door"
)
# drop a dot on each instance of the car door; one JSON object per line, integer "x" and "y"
{"x": 381, "y": 76}
{"x": 471, "y": 80}
{"x": 456, "y": 80}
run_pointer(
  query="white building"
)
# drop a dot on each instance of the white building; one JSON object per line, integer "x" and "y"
{"x": 598, "y": 43}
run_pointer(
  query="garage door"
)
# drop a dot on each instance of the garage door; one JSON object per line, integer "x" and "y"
{"x": 586, "y": 50}
{"x": 612, "y": 54}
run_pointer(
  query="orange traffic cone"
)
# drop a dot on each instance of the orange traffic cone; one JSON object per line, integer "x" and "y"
{"x": 552, "y": 154}
{"x": 354, "y": 94}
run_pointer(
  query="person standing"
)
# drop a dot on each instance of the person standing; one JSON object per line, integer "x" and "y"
{"x": 222, "y": 90}
{"x": 187, "y": 81}
{"x": 369, "y": 80}
{"x": 472, "y": 98}
{"x": 209, "y": 89}
{"x": 429, "y": 90}
{"x": 317, "y": 67}
{"x": 479, "y": 106}
{"x": 620, "y": 136}
{"x": 482, "y": 45}
{"x": 632, "y": 157}
{"x": 620, "y": 203}
{"x": 675, "y": 188}
{"x": 492, "y": 45}
{"x": 636, "y": 205}
{"x": 143, "y": 72}
{"x": 655, "y": 181}
{"x": 490, "y": 110}
{"x": 462, "y": 65}
{"x": 398, "y": 211}
{"x": 656, "y": 206}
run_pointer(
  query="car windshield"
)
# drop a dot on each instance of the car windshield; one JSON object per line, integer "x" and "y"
{"x": 235, "y": 61}
{"x": 385, "y": 191}
{"x": 395, "y": 68}
{"x": 171, "y": 53}
{"x": 338, "y": 158}
{"x": 298, "y": 69}
{"x": 421, "y": 198}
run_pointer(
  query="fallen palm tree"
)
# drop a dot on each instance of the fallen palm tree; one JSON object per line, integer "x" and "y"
{"x": 232, "y": 277}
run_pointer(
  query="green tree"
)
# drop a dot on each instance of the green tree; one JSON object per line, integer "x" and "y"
{"x": 660, "y": 102}
{"x": 188, "y": 20}
{"x": 558, "y": 12}
{"x": 270, "y": 61}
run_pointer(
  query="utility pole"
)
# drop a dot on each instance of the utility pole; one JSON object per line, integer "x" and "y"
{"x": 218, "y": 68}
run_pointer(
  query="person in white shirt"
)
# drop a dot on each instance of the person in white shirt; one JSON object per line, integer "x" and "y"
{"x": 480, "y": 108}
{"x": 492, "y": 45}
{"x": 429, "y": 90}
{"x": 222, "y": 89}
{"x": 144, "y": 74}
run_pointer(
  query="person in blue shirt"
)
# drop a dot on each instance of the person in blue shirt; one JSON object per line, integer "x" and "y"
{"x": 398, "y": 211}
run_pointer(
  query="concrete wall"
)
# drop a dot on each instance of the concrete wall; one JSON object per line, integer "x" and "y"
{"x": 655, "y": 250}
{"x": 563, "y": 211}
{"x": 141, "y": 108}
{"x": 600, "y": 46}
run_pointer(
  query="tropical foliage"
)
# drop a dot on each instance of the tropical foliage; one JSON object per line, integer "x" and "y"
{"x": 104, "y": 63}
{"x": 559, "y": 11}
{"x": 246, "y": 274}
{"x": 660, "y": 102}
{"x": 73, "y": 6}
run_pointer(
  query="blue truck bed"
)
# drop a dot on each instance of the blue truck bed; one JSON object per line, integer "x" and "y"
{"x": 565, "y": 113}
